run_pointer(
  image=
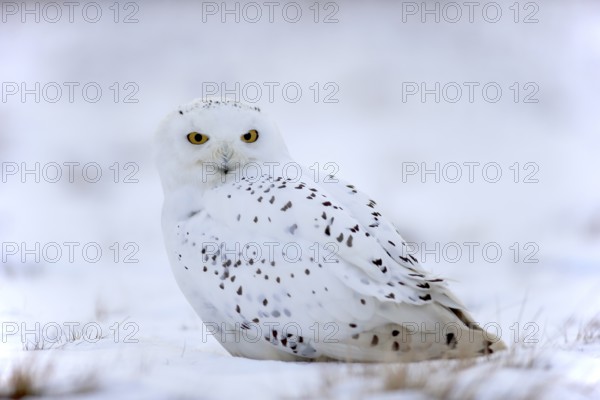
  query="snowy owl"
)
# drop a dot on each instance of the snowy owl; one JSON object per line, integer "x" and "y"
{"x": 282, "y": 264}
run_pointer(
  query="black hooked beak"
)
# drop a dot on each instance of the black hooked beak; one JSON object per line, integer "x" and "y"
{"x": 226, "y": 155}
{"x": 224, "y": 167}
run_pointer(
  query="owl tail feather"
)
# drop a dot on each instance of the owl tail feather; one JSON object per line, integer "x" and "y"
{"x": 433, "y": 332}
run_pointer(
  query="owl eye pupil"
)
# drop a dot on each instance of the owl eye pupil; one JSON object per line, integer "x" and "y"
{"x": 198, "y": 137}
{"x": 250, "y": 137}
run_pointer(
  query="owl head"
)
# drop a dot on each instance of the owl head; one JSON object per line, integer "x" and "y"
{"x": 205, "y": 142}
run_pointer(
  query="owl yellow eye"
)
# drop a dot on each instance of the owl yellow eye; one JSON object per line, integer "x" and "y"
{"x": 197, "y": 138}
{"x": 250, "y": 137}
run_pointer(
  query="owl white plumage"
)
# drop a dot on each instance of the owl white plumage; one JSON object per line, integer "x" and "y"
{"x": 280, "y": 265}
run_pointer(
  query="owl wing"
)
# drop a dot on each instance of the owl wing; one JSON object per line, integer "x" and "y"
{"x": 366, "y": 251}
{"x": 386, "y": 237}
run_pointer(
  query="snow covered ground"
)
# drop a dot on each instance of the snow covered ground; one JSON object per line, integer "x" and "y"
{"x": 82, "y": 258}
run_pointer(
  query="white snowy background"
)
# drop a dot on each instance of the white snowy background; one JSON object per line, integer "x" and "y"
{"x": 151, "y": 344}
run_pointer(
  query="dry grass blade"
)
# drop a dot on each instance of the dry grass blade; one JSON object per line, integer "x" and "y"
{"x": 29, "y": 378}
{"x": 590, "y": 332}
{"x": 24, "y": 380}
